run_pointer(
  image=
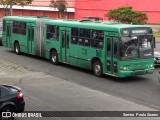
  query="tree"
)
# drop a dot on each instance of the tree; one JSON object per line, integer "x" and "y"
{"x": 127, "y": 15}
{"x": 61, "y": 5}
{"x": 9, "y": 3}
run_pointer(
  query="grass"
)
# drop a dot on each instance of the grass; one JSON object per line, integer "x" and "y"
{"x": 157, "y": 35}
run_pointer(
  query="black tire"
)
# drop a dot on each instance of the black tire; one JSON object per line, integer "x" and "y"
{"x": 1, "y": 43}
{"x": 8, "y": 109}
{"x": 54, "y": 57}
{"x": 97, "y": 68}
{"x": 17, "y": 48}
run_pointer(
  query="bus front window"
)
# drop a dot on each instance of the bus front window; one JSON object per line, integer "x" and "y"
{"x": 145, "y": 46}
{"x": 134, "y": 47}
{"x": 129, "y": 47}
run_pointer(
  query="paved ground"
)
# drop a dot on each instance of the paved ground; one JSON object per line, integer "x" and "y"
{"x": 66, "y": 96}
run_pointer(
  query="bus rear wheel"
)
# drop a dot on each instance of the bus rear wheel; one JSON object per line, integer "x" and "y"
{"x": 97, "y": 68}
{"x": 17, "y": 48}
{"x": 54, "y": 57}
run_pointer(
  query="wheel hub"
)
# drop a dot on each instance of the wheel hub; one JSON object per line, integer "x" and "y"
{"x": 54, "y": 58}
{"x": 97, "y": 68}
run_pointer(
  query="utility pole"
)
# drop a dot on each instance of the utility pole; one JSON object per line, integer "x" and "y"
{"x": 11, "y": 5}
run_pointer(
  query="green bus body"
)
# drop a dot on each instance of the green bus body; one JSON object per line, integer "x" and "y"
{"x": 86, "y": 44}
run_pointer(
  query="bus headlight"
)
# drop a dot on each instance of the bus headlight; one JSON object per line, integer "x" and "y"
{"x": 124, "y": 68}
{"x": 150, "y": 66}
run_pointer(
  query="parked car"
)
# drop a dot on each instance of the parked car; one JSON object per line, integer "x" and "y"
{"x": 157, "y": 57}
{"x": 11, "y": 100}
{"x": 0, "y": 36}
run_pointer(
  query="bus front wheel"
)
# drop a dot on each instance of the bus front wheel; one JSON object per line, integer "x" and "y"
{"x": 54, "y": 57}
{"x": 17, "y": 48}
{"x": 97, "y": 68}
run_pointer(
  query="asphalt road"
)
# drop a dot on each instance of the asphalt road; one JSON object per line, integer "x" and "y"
{"x": 141, "y": 89}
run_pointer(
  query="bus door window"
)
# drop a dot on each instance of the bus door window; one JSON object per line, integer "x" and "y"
{"x": 115, "y": 54}
{"x": 108, "y": 47}
{"x": 109, "y": 51}
{"x": 29, "y": 33}
{"x": 67, "y": 44}
{"x": 4, "y": 25}
{"x": 63, "y": 40}
{"x": 32, "y": 34}
{"x": 8, "y": 30}
{"x": 115, "y": 48}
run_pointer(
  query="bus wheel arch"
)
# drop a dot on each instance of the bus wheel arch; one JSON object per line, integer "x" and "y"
{"x": 17, "y": 47}
{"x": 54, "y": 56}
{"x": 97, "y": 67}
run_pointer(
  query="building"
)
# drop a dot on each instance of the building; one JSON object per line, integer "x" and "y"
{"x": 99, "y": 8}
{"x": 41, "y": 8}
{"x": 94, "y": 8}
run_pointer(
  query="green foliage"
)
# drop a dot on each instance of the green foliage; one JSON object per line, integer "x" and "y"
{"x": 127, "y": 15}
{"x": 61, "y": 5}
{"x": 9, "y": 3}
{"x": 15, "y": 2}
{"x": 157, "y": 35}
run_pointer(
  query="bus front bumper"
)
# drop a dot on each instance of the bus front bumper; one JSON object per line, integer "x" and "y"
{"x": 135, "y": 72}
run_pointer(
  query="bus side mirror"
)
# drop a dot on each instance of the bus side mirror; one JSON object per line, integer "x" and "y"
{"x": 154, "y": 42}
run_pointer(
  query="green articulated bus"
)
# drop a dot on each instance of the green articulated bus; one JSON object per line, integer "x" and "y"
{"x": 110, "y": 48}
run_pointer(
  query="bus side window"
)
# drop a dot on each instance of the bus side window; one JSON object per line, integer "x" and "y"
{"x": 97, "y": 39}
{"x": 22, "y": 29}
{"x": 52, "y": 32}
{"x": 85, "y": 35}
{"x": 93, "y": 43}
{"x": 87, "y": 42}
{"x": 19, "y": 27}
{"x": 16, "y": 26}
{"x": 100, "y": 44}
{"x": 74, "y": 37}
{"x": 80, "y": 41}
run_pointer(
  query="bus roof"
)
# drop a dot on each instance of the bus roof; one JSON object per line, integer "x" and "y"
{"x": 25, "y": 18}
{"x": 110, "y": 25}
{"x": 92, "y": 25}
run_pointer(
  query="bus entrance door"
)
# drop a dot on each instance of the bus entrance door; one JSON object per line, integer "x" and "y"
{"x": 31, "y": 39}
{"x": 111, "y": 55}
{"x": 8, "y": 35}
{"x": 65, "y": 37}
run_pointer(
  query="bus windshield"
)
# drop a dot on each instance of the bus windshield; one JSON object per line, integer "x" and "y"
{"x": 134, "y": 47}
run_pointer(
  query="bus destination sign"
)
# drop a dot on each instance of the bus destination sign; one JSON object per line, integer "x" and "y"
{"x": 139, "y": 31}
{"x": 136, "y": 31}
